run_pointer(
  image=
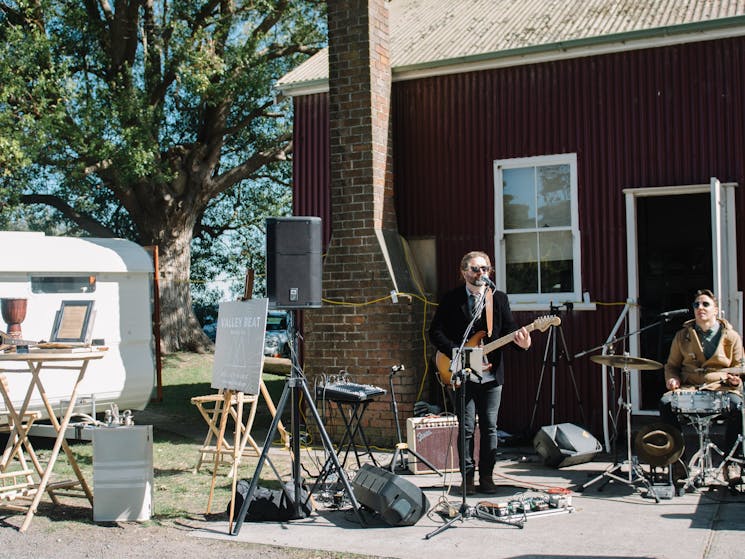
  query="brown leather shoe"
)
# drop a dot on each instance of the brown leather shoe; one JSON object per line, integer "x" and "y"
{"x": 487, "y": 486}
{"x": 733, "y": 473}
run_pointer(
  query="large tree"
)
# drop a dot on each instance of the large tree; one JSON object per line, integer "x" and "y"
{"x": 136, "y": 117}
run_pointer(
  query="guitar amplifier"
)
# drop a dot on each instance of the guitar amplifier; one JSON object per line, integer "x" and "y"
{"x": 436, "y": 440}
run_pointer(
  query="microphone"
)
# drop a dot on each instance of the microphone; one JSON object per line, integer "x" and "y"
{"x": 676, "y": 312}
{"x": 397, "y": 368}
{"x": 488, "y": 282}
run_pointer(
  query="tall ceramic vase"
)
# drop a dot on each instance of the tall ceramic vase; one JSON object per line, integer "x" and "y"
{"x": 14, "y": 312}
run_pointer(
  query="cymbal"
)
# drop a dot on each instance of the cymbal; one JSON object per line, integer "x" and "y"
{"x": 626, "y": 361}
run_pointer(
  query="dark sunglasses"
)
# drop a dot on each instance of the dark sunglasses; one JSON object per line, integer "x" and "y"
{"x": 477, "y": 269}
{"x": 697, "y": 304}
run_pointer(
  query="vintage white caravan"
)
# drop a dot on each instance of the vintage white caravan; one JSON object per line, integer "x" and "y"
{"x": 116, "y": 275}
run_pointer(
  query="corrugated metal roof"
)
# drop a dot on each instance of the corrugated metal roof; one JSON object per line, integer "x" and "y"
{"x": 431, "y": 35}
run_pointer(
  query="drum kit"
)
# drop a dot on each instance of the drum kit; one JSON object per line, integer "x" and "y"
{"x": 700, "y": 408}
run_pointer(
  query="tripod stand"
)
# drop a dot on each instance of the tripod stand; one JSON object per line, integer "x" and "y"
{"x": 399, "y": 463}
{"x": 635, "y": 472}
{"x": 551, "y": 344}
{"x": 295, "y": 386}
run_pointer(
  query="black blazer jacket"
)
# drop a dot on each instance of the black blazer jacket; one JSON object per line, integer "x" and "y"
{"x": 452, "y": 318}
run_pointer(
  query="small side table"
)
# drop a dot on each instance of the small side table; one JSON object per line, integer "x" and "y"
{"x": 20, "y": 420}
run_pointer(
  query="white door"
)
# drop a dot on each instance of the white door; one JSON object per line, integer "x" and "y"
{"x": 724, "y": 251}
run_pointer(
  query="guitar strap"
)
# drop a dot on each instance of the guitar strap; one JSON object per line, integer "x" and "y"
{"x": 489, "y": 311}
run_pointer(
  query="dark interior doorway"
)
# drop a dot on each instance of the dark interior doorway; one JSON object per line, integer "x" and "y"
{"x": 674, "y": 251}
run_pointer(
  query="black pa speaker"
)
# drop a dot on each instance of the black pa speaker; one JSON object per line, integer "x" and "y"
{"x": 565, "y": 444}
{"x": 398, "y": 501}
{"x": 293, "y": 262}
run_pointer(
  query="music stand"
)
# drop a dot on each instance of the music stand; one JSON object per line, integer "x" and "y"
{"x": 295, "y": 386}
{"x": 635, "y": 472}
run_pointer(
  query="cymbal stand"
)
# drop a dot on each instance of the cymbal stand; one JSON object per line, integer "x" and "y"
{"x": 551, "y": 342}
{"x": 635, "y": 473}
{"x": 399, "y": 463}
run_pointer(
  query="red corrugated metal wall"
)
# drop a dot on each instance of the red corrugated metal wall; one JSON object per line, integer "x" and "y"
{"x": 310, "y": 163}
{"x": 657, "y": 117}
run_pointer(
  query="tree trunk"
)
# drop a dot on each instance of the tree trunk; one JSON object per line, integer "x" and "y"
{"x": 180, "y": 329}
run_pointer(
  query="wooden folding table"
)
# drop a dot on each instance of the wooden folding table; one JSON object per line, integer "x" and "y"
{"x": 17, "y": 478}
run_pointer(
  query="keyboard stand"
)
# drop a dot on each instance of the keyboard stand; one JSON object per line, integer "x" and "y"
{"x": 352, "y": 428}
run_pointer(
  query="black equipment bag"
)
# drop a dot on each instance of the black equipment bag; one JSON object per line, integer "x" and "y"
{"x": 271, "y": 505}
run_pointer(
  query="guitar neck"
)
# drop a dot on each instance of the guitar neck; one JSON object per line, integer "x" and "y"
{"x": 504, "y": 340}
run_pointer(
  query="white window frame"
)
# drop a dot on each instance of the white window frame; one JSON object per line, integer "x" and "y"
{"x": 539, "y": 301}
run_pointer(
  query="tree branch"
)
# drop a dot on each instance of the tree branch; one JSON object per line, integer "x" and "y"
{"x": 256, "y": 161}
{"x": 83, "y": 221}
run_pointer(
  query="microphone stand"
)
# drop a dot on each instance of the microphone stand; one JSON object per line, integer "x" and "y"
{"x": 665, "y": 320}
{"x": 400, "y": 456}
{"x": 460, "y": 376}
{"x": 635, "y": 472}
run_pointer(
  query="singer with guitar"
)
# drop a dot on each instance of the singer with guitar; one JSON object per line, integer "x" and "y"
{"x": 483, "y": 392}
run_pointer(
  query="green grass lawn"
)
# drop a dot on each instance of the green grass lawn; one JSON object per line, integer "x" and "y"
{"x": 179, "y": 491}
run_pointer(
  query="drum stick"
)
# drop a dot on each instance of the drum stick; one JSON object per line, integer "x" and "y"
{"x": 711, "y": 386}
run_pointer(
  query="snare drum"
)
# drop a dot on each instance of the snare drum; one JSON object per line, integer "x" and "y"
{"x": 699, "y": 401}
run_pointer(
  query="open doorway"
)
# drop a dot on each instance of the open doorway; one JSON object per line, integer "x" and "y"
{"x": 679, "y": 239}
{"x": 674, "y": 260}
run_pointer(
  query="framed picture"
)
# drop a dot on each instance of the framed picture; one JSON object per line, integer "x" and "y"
{"x": 73, "y": 322}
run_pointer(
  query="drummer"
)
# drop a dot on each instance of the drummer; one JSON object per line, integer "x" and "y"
{"x": 699, "y": 355}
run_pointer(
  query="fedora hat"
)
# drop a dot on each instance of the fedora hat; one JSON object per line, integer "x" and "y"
{"x": 659, "y": 444}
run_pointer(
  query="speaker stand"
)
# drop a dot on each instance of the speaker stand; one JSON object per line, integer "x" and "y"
{"x": 295, "y": 386}
{"x": 551, "y": 342}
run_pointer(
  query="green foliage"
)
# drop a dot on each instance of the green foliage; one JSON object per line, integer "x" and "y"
{"x": 155, "y": 119}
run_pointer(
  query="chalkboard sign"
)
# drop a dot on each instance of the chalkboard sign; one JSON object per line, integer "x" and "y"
{"x": 239, "y": 346}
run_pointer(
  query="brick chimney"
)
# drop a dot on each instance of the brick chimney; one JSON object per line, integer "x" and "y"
{"x": 360, "y": 329}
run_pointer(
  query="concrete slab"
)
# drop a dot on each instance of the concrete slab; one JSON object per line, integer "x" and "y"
{"x": 605, "y": 520}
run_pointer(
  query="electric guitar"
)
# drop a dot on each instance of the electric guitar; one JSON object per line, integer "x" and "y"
{"x": 444, "y": 374}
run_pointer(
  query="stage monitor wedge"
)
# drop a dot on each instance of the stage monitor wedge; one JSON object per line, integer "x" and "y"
{"x": 293, "y": 262}
{"x": 565, "y": 444}
{"x": 398, "y": 501}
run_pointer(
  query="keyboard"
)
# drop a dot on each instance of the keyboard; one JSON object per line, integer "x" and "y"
{"x": 347, "y": 392}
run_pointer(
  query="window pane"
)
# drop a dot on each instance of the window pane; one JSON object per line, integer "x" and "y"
{"x": 518, "y": 200}
{"x": 63, "y": 284}
{"x": 554, "y": 196}
{"x": 556, "y": 262}
{"x": 521, "y": 265}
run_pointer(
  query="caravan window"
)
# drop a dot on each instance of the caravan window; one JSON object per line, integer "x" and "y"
{"x": 63, "y": 284}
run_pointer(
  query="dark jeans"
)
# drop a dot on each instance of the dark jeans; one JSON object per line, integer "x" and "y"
{"x": 733, "y": 419}
{"x": 482, "y": 401}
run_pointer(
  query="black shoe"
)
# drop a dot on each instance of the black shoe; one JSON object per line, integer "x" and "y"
{"x": 470, "y": 486}
{"x": 487, "y": 486}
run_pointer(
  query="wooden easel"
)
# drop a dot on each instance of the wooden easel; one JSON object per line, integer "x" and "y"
{"x": 212, "y": 408}
{"x": 229, "y": 404}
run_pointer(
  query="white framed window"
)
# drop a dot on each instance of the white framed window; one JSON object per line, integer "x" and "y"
{"x": 537, "y": 241}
